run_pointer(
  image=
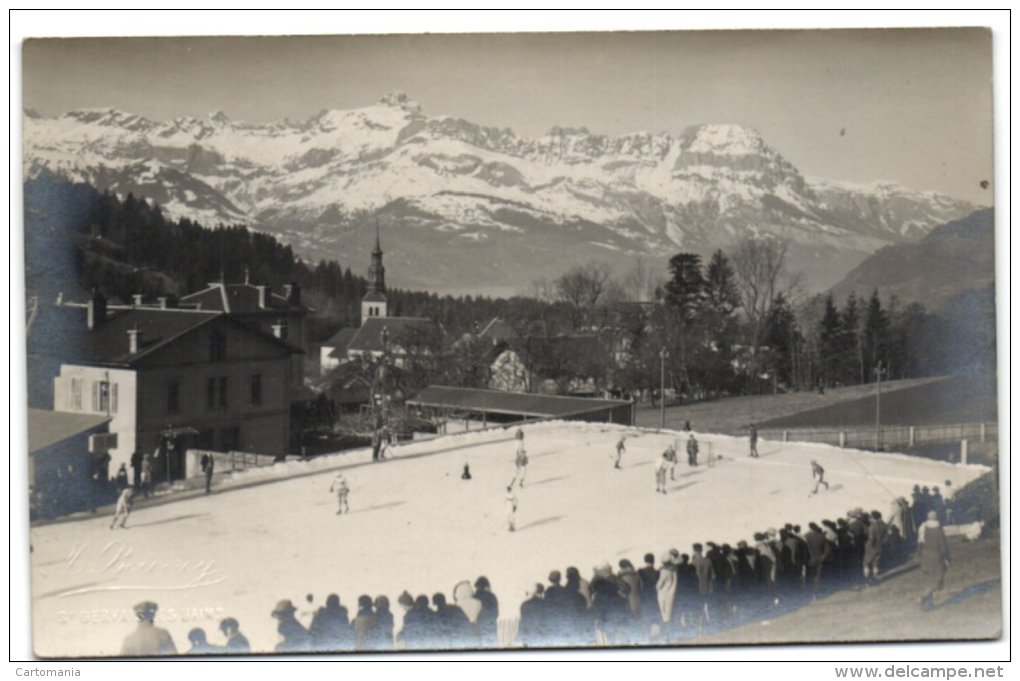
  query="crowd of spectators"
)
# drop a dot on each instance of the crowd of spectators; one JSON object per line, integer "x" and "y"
{"x": 679, "y": 596}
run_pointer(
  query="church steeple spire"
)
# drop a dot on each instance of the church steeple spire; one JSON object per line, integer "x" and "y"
{"x": 376, "y": 271}
{"x": 374, "y": 302}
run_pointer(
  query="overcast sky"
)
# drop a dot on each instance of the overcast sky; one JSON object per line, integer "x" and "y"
{"x": 913, "y": 106}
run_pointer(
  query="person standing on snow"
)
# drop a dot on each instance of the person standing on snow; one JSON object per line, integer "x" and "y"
{"x": 511, "y": 508}
{"x": 933, "y": 554}
{"x": 342, "y": 489}
{"x": 621, "y": 447}
{"x": 661, "y": 466}
{"x": 692, "y": 451}
{"x": 521, "y": 460}
{"x": 753, "y": 437}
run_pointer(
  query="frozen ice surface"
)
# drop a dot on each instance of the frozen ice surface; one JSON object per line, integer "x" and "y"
{"x": 415, "y": 525}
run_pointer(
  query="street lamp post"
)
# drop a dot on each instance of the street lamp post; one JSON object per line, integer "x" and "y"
{"x": 879, "y": 371}
{"x": 662, "y": 386}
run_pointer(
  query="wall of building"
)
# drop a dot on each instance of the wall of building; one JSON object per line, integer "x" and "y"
{"x": 232, "y": 420}
{"x": 77, "y": 389}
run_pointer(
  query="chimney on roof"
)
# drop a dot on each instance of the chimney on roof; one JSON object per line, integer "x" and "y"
{"x": 95, "y": 310}
{"x": 60, "y": 297}
{"x": 134, "y": 339}
{"x": 292, "y": 291}
{"x": 137, "y": 299}
{"x": 264, "y": 295}
{"x": 280, "y": 329}
{"x": 167, "y": 302}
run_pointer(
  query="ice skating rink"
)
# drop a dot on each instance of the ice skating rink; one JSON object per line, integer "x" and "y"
{"x": 415, "y": 525}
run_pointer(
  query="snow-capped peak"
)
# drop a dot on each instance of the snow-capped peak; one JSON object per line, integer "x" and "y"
{"x": 727, "y": 139}
{"x": 400, "y": 100}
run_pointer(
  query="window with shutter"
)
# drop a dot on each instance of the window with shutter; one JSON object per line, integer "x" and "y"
{"x": 113, "y": 398}
{"x": 95, "y": 395}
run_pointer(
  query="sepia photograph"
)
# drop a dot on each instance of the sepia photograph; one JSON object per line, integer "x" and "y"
{"x": 350, "y": 344}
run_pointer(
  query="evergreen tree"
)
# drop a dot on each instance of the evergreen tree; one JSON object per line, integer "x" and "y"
{"x": 829, "y": 342}
{"x": 876, "y": 334}
{"x": 851, "y": 361}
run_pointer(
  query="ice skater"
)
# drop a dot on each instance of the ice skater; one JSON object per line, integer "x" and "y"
{"x": 661, "y": 466}
{"x": 670, "y": 456}
{"x": 124, "y": 503}
{"x": 521, "y": 461}
{"x": 511, "y": 509}
{"x": 342, "y": 490}
{"x": 621, "y": 447}
{"x": 818, "y": 473}
{"x": 753, "y": 437}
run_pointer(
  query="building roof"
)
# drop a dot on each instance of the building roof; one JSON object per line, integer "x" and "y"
{"x": 500, "y": 402}
{"x": 239, "y": 299}
{"x": 47, "y": 428}
{"x": 61, "y": 331}
{"x": 340, "y": 340}
{"x": 498, "y": 330}
{"x": 374, "y": 297}
{"x": 369, "y": 337}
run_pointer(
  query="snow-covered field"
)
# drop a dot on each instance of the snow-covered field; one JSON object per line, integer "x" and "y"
{"x": 415, "y": 525}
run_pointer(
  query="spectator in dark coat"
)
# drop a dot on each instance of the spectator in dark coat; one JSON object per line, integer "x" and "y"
{"x": 706, "y": 579}
{"x": 819, "y": 553}
{"x": 873, "y": 547}
{"x": 199, "y": 644}
{"x": 330, "y": 629}
{"x": 610, "y": 611}
{"x": 382, "y": 633}
{"x": 419, "y": 620}
{"x": 488, "y": 619}
{"x": 531, "y": 631}
{"x": 365, "y": 624}
{"x": 579, "y": 626}
{"x": 938, "y": 504}
{"x": 649, "y": 577}
{"x": 294, "y": 638}
{"x": 629, "y": 576}
{"x": 933, "y": 554}
{"x": 236, "y": 643}
{"x": 452, "y": 628}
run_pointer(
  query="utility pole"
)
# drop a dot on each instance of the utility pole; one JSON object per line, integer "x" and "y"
{"x": 879, "y": 371}
{"x": 662, "y": 386}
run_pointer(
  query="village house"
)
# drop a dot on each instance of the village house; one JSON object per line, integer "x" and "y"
{"x": 168, "y": 379}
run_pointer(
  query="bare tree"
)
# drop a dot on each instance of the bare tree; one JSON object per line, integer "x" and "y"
{"x": 639, "y": 282}
{"x": 759, "y": 264}
{"x": 585, "y": 288}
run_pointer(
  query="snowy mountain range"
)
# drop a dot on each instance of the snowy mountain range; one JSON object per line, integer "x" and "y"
{"x": 466, "y": 208}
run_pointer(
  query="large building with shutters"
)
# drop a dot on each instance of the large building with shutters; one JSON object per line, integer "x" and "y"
{"x": 168, "y": 379}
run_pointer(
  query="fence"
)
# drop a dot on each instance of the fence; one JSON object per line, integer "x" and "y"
{"x": 224, "y": 462}
{"x": 888, "y": 436}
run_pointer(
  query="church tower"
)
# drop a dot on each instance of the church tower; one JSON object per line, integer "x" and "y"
{"x": 374, "y": 302}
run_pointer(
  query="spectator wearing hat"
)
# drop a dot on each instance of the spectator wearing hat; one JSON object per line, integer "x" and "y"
{"x": 293, "y": 636}
{"x": 706, "y": 580}
{"x": 666, "y": 588}
{"x": 649, "y": 577}
{"x": 147, "y": 639}
{"x": 628, "y": 576}
{"x": 236, "y": 643}
{"x": 565, "y": 608}
{"x": 819, "y": 553}
{"x": 199, "y": 644}
{"x": 331, "y": 629}
{"x": 453, "y": 630}
{"x": 877, "y": 532}
{"x": 382, "y": 633}
{"x": 532, "y": 629}
{"x": 364, "y": 624}
{"x": 937, "y": 503}
{"x": 933, "y": 554}
{"x": 488, "y": 618}
{"x": 418, "y": 623}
